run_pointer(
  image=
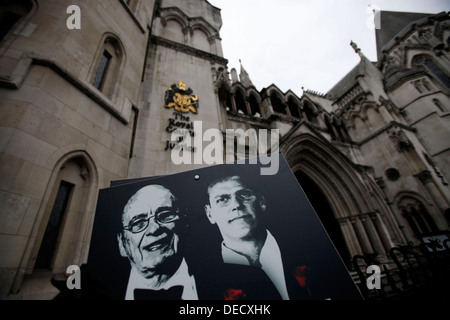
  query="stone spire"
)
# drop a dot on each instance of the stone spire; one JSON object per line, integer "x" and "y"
{"x": 244, "y": 77}
{"x": 356, "y": 48}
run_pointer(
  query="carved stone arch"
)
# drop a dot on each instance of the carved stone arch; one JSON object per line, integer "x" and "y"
{"x": 29, "y": 9}
{"x": 254, "y": 101}
{"x": 371, "y": 112}
{"x": 328, "y": 120}
{"x": 201, "y": 24}
{"x": 351, "y": 118}
{"x": 413, "y": 54}
{"x": 222, "y": 82}
{"x": 342, "y": 186}
{"x": 405, "y": 198}
{"x": 255, "y": 93}
{"x": 174, "y": 14}
{"x": 116, "y": 42}
{"x": 326, "y": 117}
{"x": 416, "y": 213}
{"x": 113, "y": 76}
{"x": 309, "y": 104}
{"x": 175, "y": 25}
{"x": 199, "y": 27}
{"x": 240, "y": 98}
{"x": 277, "y": 100}
{"x": 275, "y": 90}
{"x": 336, "y": 120}
{"x": 291, "y": 95}
{"x": 329, "y": 187}
{"x": 237, "y": 86}
{"x": 432, "y": 66}
{"x": 295, "y": 107}
{"x": 336, "y": 165}
{"x": 223, "y": 90}
{"x": 367, "y": 105}
{"x": 77, "y": 169}
{"x": 200, "y": 39}
{"x": 87, "y": 170}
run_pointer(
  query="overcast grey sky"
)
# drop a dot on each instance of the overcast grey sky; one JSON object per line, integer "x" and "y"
{"x": 303, "y": 43}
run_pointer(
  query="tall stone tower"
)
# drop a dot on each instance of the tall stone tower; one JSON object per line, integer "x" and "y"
{"x": 184, "y": 58}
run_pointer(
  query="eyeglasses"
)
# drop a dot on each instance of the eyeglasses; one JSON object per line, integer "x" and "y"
{"x": 244, "y": 195}
{"x": 140, "y": 222}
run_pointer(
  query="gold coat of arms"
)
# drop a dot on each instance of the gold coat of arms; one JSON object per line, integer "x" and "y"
{"x": 181, "y": 99}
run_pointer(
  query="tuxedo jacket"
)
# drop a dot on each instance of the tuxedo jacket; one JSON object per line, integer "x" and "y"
{"x": 214, "y": 281}
{"x": 221, "y": 282}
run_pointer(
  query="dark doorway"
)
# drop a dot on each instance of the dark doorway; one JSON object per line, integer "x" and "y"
{"x": 51, "y": 235}
{"x": 325, "y": 213}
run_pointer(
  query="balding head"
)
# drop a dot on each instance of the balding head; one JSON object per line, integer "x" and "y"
{"x": 148, "y": 238}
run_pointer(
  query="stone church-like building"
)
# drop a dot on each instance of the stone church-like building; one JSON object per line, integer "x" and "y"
{"x": 80, "y": 108}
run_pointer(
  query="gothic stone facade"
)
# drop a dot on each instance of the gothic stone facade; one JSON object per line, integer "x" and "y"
{"x": 80, "y": 108}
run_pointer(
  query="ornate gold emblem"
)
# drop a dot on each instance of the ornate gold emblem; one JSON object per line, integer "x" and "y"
{"x": 181, "y": 98}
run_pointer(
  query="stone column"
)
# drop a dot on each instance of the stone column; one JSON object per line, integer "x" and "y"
{"x": 372, "y": 234}
{"x": 350, "y": 237}
{"x": 381, "y": 230}
{"x": 438, "y": 198}
{"x": 361, "y": 235}
{"x": 385, "y": 114}
{"x": 233, "y": 103}
{"x": 247, "y": 105}
{"x": 219, "y": 113}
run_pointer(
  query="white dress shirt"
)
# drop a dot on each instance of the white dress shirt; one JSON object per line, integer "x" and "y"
{"x": 270, "y": 260}
{"x": 180, "y": 278}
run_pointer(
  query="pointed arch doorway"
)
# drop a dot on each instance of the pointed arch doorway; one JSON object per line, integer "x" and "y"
{"x": 325, "y": 213}
{"x": 340, "y": 193}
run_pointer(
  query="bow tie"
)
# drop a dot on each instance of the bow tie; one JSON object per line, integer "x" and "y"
{"x": 173, "y": 293}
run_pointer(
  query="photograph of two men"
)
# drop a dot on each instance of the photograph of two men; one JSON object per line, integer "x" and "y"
{"x": 224, "y": 232}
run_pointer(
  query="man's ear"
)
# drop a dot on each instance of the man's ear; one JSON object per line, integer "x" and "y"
{"x": 122, "y": 250}
{"x": 208, "y": 214}
{"x": 262, "y": 203}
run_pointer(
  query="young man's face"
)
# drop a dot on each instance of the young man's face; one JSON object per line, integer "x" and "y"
{"x": 146, "y": 242}
{"x": 234, "y": 208}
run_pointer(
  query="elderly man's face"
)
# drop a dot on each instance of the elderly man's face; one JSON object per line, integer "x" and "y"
{"x": 149, "y": 220}
{"x": 234, "y": 209}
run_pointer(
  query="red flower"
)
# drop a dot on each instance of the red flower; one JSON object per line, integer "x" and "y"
{"x": 300, "y": 273}
{"x": 234, "y": 294}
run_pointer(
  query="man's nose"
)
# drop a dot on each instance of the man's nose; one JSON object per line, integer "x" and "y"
{"x": 152, "y": 227}
{"x": 236, "y": 202}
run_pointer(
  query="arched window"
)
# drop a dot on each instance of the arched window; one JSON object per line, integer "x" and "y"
{"x": 105, "y": 76}
{"x": 420, "y": 220}
{"x": 69, "y": 201}
{"x": 11, "y": 11}
{"x": 425, "y": 62}
{"x": 308, "y": 111}
{"x": 241, "y": 105}
{"x": 225, "y": 99}
{"x": 277, "y": 103}
{"x": 200, "y": 40}
{"x": 294, "y": 108}
{"x": 439, "y": 105}
{"x": 411, "y": 222}
{"x": 428, "y": 219}
{"x": 254, "y": 106}
{"x": 337, "y": 128}
{"x": 342, "y": 130}
{"x": 48, "y": 247}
